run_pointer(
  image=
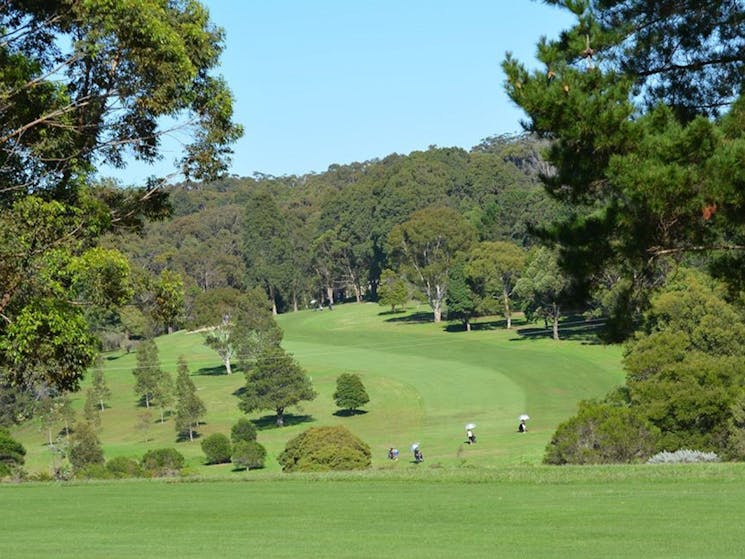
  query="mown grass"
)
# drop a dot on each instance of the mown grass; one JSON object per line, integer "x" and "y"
{"x": 425, "y": 382}
{"x": 644, "y": 511}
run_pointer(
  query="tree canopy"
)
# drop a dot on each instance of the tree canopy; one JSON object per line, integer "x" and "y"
{"x": 87, "y": 84}
{"x": 641, "y": 102}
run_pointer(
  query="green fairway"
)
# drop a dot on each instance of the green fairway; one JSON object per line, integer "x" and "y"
{"x": 425, "y": 384}
{"x": 646, "y": 511}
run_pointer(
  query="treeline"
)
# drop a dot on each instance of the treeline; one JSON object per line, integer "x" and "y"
{"x": 316, "y": 239}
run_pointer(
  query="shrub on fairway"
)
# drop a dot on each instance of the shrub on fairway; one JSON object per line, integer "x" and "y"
{"x": 601, "y": 433}
{"x": 350, "y": 392}
{"x": 162, "y": 462}
{"x": 123, "y": 467}
{"x": 216, "y": 448}
{"x": 85, "y": 448}
{"x": 11, "y": 453}
{"x": 321, "y": 449}
{"x": 248, "y": 455}
{"x": 243, "y": 430}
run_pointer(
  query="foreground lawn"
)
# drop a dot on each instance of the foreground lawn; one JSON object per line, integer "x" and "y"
{"x": 642, "y": 511}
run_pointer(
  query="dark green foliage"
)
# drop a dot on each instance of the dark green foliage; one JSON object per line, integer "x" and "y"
{"x": 602, "y": 434}
{"x": 275, "y": 382}
{"x": 243, "y": 431}
{"x": 85, "y": 448}
{"x": 162, "y": 462}
{"x": 321, "y": 449}
{"x": 686, "y": 371}
{"x": 123, "y": 467}
{"x": 248, "y": 455}
{"x": 216, "y": 448}
{"x": 626, "y": 96}
{"x": 11, "y": 453}
{"x": 461, "y": 299}
{"x": 350, "y": 392}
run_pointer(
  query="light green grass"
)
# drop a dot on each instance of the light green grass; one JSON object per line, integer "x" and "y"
{"x": 425, "y": 383}
{"x": 645, "y": 511}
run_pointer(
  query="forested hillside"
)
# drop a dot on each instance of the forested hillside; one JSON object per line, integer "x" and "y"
{"x": 324, "y": 237}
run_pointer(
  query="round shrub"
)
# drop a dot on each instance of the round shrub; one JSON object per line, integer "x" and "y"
{"x": 123, "y": 467}
{"x": 248, "y": 455}
{"x": 320, "y": 449}
{"x": 216, "y": 448}
{"x": 243, "y": 430}
{"x": 162, "y": 462}
{"x": 602, "y": 434}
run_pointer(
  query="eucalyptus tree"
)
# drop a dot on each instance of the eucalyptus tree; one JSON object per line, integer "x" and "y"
{"x": 426, "y": 248}
{"x": 88, "y": 84}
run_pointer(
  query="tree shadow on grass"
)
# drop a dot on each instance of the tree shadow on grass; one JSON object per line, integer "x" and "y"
{"x": 574, "y": 328}
{"x": 389, "y": 312}
{"x": 212, "y": 371}
{"x": 267, "y": 422}
{"x": 413, "y": 318}
{"x": 349, "y": 413}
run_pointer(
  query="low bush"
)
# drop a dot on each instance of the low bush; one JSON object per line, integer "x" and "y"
{"x": 602, "y": 433}
{"x": 162, "y": 462}
{"x": 12, "y": 453}
{"x": 321, "y": 449}
{"x": 243, "y": 430}
{"x": 123, "y": 467}
{"x": 217, "y": 449}
{"x": 248, "y": 455}
{"x": 683, "y": 456}
{"x": 93, "y": 471}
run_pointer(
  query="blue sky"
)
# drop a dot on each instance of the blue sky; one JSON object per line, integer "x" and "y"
{"x": 331, "y": 81}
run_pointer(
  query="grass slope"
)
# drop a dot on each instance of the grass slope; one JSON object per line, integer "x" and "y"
{"x": 425, "y": 382}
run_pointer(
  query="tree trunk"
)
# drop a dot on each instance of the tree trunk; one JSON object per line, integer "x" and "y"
{"x": 228, "y": 367}
{"x": 100, "y": 403}
{"x": 357, "y": 292}
{"x": 436, "y": 304}
{"x": 556, "y": 321}
{"x": 294, "y": 301}
{"x": 468, "y": 325}
{"x": 507, "y": 312}
{"x": 330, "y": 295}
{"x": 438, "y": 312}
{"x": 280, "y": 417}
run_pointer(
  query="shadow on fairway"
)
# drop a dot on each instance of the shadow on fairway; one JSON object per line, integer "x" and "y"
{"x": 212, "y": 371}
{"x": 413, "y": 318}
{"x": 349, "y": 413}
{"x": 575, "y": 329}
{"x": 270, "y": 421}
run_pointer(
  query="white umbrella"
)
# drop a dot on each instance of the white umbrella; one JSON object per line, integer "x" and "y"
{"x": 414, "y": 446}
{"x": 524, "y": 417}
{"x": 470, "y": 426}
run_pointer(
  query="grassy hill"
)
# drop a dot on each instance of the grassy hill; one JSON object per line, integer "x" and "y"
{"x": 425, "y": 382}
